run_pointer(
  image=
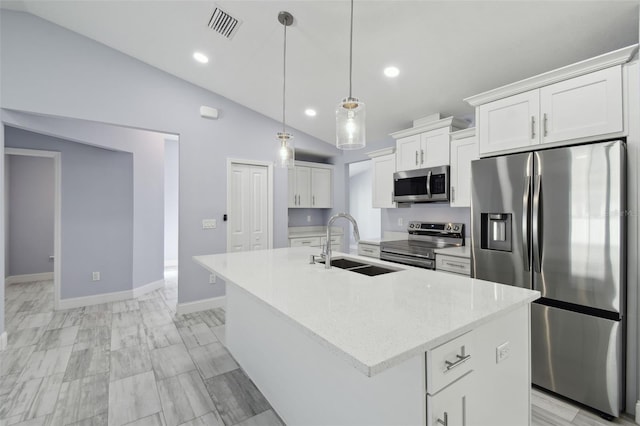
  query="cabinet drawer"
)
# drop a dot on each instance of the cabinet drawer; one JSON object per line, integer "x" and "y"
{"x": 451, "y": 405}
{"x": 449, "y": 362}
{"x": 370, "y": 250}
{"x": 304, "y": 242}
{"x": 335, "y": 240}
{"x": 458, "y": 265}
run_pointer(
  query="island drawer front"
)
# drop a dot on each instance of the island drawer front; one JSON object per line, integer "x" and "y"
{"x": 305, "y": 242}
{"x": 459, "y": 265}
{"x": 448, "y": 362}
{"x": 369, "y": 250}
{"x": 450, "y": 406}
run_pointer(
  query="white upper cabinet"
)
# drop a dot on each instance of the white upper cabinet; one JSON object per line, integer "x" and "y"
{"x": 321, "y": 188}
{"x": 464, "y": 149}
{"x": 408, "y": 153}
{"x": 425, "y": 145}
{"x": 383, "y": 167}
{"x": 582, "y": 102}
{"x": 310, "y": 186}
{"x": 509, "y": 123}
{"x": 583, "y": 106}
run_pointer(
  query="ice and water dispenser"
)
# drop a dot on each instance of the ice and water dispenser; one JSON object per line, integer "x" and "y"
{"x": 496, "y": 231}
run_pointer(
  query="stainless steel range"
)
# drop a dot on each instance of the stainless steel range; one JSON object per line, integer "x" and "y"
{"x": 424, "y": 238}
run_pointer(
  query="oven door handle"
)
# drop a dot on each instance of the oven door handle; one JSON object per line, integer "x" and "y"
{"x": 429, "y": 184}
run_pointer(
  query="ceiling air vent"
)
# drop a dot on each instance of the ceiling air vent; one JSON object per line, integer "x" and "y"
{"x": 223, "y": 23}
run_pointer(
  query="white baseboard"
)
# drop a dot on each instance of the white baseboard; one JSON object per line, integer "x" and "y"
{"x": 78, "y": 302}
{"x": 201, "y": 305}
{"x": 170, "y": 263}
{"x": 147, "y": 288}
{"x": 3, "y": 341}
{"x": 27, "y": 278}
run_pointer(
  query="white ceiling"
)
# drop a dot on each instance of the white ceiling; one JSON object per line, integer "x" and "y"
{"x": 446, "y": 50}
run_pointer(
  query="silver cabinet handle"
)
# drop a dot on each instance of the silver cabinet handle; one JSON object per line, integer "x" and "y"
{"x": 454, "y": 265}
{"x": 422, "y": 156}
{"x": 461, "y": 359}
{"x": 453, "y": 193}
{"x": 367, "y": 250}
{"x": 416, "y": 158}
{"x": 444, "y": 422}
{"x": 533, "y": 127}
{"x": 305, "y": 242}
{"x": 544, "y": 123}
{"x": 391, "y": 197}
{"x": 526, "y": 215}
{"x": 313, "y": 200}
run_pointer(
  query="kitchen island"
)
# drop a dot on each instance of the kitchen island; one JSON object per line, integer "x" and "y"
{"x": 330, "y": 346}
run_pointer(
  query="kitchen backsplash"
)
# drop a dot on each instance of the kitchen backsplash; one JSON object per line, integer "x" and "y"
{"x": 308, "y": 217}
{"x": 426, "y": 213}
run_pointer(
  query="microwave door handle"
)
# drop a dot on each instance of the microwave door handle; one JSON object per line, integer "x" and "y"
{"x": 429, "y": 184}
{"x": 525, "y": 223}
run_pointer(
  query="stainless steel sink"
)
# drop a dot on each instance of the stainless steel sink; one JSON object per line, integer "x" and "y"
{"x": 361, "y": 267}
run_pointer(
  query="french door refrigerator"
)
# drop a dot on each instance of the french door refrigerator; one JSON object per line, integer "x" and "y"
{"x": 554, "y": 220}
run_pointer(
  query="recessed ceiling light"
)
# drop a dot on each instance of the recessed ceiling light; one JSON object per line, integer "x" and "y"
{"x": 310, "y": 112}
{"x": 200, "y": 57}
{"x": 391, "y": 72}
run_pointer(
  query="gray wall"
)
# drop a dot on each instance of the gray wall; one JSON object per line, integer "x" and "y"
{"x": 96, "y": 213}
{"x": 75, "y": 83}
{"x": 30, "y": 215}
{"x": 171, "y": 180}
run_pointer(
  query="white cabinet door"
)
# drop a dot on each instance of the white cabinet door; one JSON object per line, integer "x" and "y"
{"x": 248, "y": 215}
{"x": 434, "y": 149}
{"x": 408, "y": 153}
{"x": 321, "y": 188}
{"x": 463, "y": 152}
{"x": 383, "y": 169}
{"x": 303, "y": 186}
{"x": 509, "y": 123}
{"x": 451, "y": 404}
{"x": 584, "y": 106}
{"x": 293, "y": 194}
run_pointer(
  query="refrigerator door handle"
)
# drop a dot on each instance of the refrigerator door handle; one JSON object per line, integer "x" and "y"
{"x": 537, "y": 226}
{"x": 525, "y": 223}
{"x": 429, "y": 184}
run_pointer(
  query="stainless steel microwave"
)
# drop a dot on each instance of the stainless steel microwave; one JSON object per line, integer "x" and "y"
{"x": 421, "y": 185}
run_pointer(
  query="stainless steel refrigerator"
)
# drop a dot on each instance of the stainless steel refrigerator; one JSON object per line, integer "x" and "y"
{"x": 554, "y": 220}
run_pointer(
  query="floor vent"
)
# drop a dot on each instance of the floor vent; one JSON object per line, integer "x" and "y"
{"x": 223, "y": 23}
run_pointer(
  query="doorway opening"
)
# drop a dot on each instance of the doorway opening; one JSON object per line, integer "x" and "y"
{"x": 360, "y": 201}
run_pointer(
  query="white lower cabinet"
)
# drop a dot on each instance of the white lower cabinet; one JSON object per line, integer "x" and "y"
{"x": 369, "y": 250}
{"x": 450, "y": 406}
{"x": 317, "y": 241}
{"x": 457, "y": 265}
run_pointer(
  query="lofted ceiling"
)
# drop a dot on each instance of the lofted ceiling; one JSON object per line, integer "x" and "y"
{"x": 445, "y": 50}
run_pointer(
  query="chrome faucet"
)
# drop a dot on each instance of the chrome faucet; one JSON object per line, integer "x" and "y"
{"x": 327, "y": 249}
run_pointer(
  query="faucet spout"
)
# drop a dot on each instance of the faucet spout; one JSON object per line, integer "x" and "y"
{"x": 356, "y": 235}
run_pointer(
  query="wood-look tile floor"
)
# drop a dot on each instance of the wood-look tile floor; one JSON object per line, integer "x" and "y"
{"x": 136, "y": 362}
{"x": 133, "y": 362}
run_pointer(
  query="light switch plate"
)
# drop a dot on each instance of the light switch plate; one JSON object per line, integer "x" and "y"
{"x": 95, "y": 276}
{"x": 209, "y": 224}
{"x": 502, "y": 352}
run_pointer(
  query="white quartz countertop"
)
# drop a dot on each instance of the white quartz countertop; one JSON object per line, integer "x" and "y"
{"x": 374, "y": 323}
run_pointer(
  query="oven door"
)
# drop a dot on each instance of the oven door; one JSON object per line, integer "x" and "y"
{"x": 421, "y": 185}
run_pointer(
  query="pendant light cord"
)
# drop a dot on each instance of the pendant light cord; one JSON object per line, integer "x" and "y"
{"x": 284, "y": 75}
{"x": 351, "y": 50}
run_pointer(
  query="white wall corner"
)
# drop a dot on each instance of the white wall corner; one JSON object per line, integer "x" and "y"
{"x": 147, "y": 288}
{"x": 3, "y": 341}
{"x": 638, "y": 412}
{"x": 27, "y": 278}
{"x": 201, "y": 305}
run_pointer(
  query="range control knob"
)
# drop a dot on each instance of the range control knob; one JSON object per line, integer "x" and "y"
{"x": 411, "y": 225}
{"x": 456, "y": 228}
{"x": 448, "y": 228}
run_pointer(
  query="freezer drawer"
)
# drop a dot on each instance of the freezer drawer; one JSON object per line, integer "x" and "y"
{"x": 578, "y": 356}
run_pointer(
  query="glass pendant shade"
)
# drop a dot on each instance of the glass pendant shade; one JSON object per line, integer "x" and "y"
{"x": 350, "y": 124}
{"x": 286, "y": 153}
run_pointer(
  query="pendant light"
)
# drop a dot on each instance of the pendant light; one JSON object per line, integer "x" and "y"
{"x": 287, "y": 152}
{"x": 350, "y": 114}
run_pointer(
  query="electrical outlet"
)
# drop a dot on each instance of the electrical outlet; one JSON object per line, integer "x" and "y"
{"x": 400, "y": 221}
{"x": 502, "y": 352}
{"x": 95, "y": 276}
{"x": 209, "y": 224}
{"x": 212, "y": 278}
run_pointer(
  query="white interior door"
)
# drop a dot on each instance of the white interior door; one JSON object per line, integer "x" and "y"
{"x": 248, "y": 208}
